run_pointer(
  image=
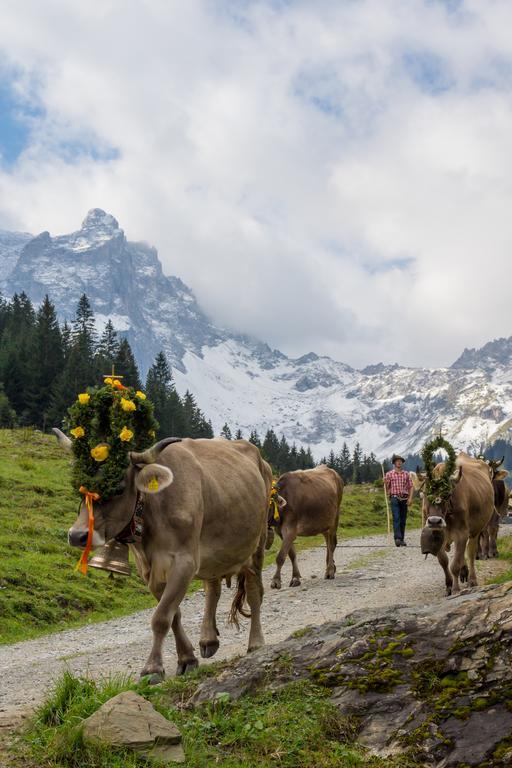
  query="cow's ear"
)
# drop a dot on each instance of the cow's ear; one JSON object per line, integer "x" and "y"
{"x": 281, "y": 503}
{"x": 153, "y": 478}
{"x": 456, "y": 475}
{"x": 501, "y": 475}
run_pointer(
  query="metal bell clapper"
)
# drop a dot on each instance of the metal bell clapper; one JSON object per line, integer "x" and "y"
{"x": 112, "y": 557}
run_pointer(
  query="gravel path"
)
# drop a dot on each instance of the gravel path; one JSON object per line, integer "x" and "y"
{"x": 370, "y": 574}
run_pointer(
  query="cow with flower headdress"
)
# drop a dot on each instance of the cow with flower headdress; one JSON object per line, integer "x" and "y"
{"x": 187, "y": 508}
{"x": 458, "y": 503}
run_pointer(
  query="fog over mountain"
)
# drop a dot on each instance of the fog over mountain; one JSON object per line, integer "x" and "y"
{"x": 240, "y": 380}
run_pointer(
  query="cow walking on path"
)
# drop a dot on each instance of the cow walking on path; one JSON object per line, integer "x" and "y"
{"x": 488, "y": 542}
{"x": 457, "y": 519}
{"x": 312, "y": 499}
{"x": 205, "y": 508}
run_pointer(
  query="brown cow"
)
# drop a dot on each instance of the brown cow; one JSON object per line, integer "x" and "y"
{"x": 457, "y": 518}
{"x": 207, "y": 520}
{"x": 312, "y": 505}
{"x": 488, "y": 541}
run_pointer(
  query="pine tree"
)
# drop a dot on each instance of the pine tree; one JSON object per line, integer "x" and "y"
{"x": 126, "y": 366}
{"x": 254, "y": 438}
{"x": 7, "y": 414}
{"x": 108, "y": 348}
{"x": 226, "y": 432}
{"x": 239, "y": 435}
{"x": 162, "y": 393}
{"x": 46, "y": 363}
{"x": 270, "y": 449}
{"x": 357, "y": 457}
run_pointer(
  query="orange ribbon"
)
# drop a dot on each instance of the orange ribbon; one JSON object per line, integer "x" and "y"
{"x": 90, "y": 498}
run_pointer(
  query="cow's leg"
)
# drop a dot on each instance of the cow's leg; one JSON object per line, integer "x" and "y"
{"x": 179, "y": 577}
{"x": 458, "y": 563}
{"x": 331, "y": 543}
{"x": 288, "y": 539}
{"x": 186, "y": 657}
{"x": 209, "y": 640}
{"x": 471, "y": 551}
{"x": 483, "y": 544}
{"x": 254, "y": 597}
{"x": 445, "y": 565}
{"x": 296, "y": 577}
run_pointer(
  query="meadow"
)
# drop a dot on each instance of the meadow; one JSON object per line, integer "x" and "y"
{"x": 40, "y": 591}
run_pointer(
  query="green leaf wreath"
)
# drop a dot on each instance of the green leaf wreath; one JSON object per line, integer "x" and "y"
{"x": 438, "y": 487}
{"x": 105, "y": 424}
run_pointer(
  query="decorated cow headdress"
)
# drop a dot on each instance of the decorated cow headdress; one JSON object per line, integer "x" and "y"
{"x": 438, "y": 488}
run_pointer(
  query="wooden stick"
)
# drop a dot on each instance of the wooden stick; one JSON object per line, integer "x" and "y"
{"x": 387, "y": 504}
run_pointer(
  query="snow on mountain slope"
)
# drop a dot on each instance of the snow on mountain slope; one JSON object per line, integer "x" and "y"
{"x": 312, "y": 400}
{"x": 11, "y": 245}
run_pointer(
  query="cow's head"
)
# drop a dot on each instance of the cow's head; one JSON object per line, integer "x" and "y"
{"x": 494, "y": 465}
{"x": 111, "y": 516}
{"x": 437, "y": 510}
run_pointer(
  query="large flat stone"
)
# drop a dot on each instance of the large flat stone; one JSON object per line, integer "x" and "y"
{"x": 129, "y": 720}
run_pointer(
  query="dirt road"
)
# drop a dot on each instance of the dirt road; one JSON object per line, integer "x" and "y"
{"x": 370, "y": 574}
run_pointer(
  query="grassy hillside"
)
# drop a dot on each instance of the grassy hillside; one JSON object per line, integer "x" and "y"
{"x": 39, "y": 589}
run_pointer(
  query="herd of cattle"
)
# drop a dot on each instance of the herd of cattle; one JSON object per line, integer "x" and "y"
{"x": 208, "y": 517}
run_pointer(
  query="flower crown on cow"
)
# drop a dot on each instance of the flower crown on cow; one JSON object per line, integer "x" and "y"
{"x": 106, "y": 423}
{"x": 438, "y": 488}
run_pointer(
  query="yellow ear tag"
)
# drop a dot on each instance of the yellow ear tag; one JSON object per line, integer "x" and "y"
{"x": 153, "y": 485}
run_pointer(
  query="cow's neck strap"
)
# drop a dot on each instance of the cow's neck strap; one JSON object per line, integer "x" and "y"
{"x": 132, "y": 532}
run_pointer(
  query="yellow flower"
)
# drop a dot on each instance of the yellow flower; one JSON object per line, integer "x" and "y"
{"x": 109, "y": 380}
{"x": 152, "y": 433}
{"x": 140, "y": 395}
{"x": 77, "y": 432}
{"x": 117, "y": 384}
{"x": 127, "y": 405}
{"x": 100, "y": 452}
{"x": 84, "y": 398}
{"x": 125, "y": 434}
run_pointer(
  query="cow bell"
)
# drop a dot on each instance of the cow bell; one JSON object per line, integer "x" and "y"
{"x": 112, "y": 557}
{"x": 431, "y": 540}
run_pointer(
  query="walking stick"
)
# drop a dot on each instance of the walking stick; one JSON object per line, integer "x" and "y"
{"x": 387, "y": 504}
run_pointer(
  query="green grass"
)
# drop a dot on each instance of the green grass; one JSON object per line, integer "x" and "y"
{"x": 39, "y": 590}
{"x": 505, "y": 553}
{"x": 296, "y": 727}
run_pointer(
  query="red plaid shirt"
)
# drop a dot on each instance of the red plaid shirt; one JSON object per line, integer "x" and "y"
{"x": 398, "y": 483}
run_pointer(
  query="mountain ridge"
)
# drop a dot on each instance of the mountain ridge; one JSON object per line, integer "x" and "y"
{"x": 240, "y": 380}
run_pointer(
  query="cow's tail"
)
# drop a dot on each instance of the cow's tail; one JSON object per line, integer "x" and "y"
{"x": 237, "y": 606}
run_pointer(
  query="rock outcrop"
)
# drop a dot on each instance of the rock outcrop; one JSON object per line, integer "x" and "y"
{"x": 129, "y": 720}
{"x": 431, "y": 681}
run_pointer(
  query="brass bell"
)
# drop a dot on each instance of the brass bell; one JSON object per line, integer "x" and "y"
{"x": 112, "y": 557}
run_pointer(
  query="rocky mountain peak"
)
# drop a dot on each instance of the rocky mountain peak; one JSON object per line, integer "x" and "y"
{"x": 495, "y": 353}
{"x": 98, "y": 219}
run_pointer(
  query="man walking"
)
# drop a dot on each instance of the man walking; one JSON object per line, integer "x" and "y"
{"x": 400, "y": 489}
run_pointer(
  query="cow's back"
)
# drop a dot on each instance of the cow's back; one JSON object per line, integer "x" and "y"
{"x": 313, "y": 498}
{"x": 473, "y": 495}
{"x": 222, "y": 487}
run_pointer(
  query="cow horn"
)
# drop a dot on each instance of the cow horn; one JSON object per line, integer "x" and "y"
{"x": 150, "y": 455}
{"x": 63, "y": 439}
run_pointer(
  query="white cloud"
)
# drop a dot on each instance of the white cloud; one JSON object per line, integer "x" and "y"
{"x": 320, "y": 173}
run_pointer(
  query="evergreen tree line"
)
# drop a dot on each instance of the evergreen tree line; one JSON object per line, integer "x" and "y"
{"x": 281, "y": 456}
{"x": 44, "y": 365}
{"x": 356, "y": 467}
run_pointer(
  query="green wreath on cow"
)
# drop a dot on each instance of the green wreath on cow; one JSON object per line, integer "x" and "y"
{"x": 438, "y": 488}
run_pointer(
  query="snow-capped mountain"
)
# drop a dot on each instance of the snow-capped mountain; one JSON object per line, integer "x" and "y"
{"x": 312, "y": 400}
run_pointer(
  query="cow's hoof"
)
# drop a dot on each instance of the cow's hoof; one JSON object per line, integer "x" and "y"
{"x": 275, "y": 584}
{"x": 464, "y": 573}
{"x": 209, "y": 649}
{"x": 255, "y": 647}
{"x": 329, "y": 576}
{"x": 186, "y": 666}
{"x": 153, "y": 678}
{"x": 448, "y": 591}
{"x": 295, "y": 582}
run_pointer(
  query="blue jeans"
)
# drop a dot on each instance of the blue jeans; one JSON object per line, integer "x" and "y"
{"x": 399, "y": 509}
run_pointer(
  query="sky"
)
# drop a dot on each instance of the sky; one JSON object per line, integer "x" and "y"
{"x": 328, "y": 175}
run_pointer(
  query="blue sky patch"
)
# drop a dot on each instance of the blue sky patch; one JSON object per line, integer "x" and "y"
{"x": 16, "y": 118}
{"x": 429, "y": 72}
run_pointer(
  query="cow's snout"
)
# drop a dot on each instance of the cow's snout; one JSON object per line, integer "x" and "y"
{"x": 435, "y": 521}
{"x": 77, "y": 538}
